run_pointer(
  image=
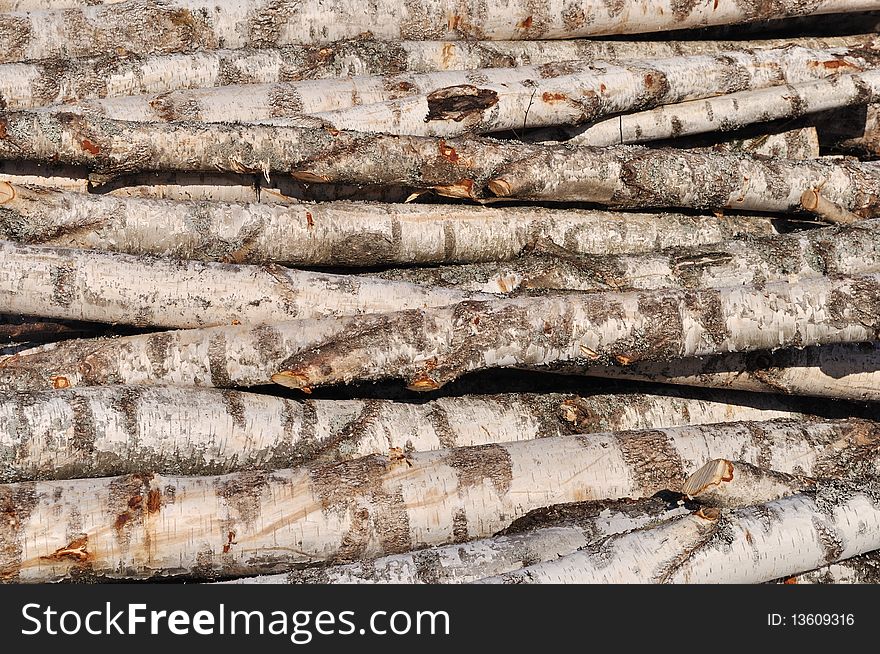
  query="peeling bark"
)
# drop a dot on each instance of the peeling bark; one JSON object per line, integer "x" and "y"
{"x": 747, "y": 545}
{"x": 145, "y": 525}
{"x": 431, "y": 347}
{"x": 848, "y": 371}
{"x": 74, "y": 284}
{"x": 340, "y": 234}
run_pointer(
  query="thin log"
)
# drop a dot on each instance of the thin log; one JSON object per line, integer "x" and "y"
{"x": 862, "y": 569}
{"x": 849, "y": 371}
{"x": 747, "y": 545}
{"x": 797, "y": 143}
{"x": 627, "y": 176}
{"x": 847, "y": 250}
{"x": 340, "y": 234}
{"x": 731, "y": 484}
{"x": 103, "y": 431}
{"x": 577, "y": 93}
{"x": 145, "y": 525}
{"x": 41, "y": 83}
{"x": 733, "y": 111}
{"x": 813, "y": 201}
{"x": 431, "y": 347}
{"x": 149, "y": 26}
{"x": 75, "y": 284}
{"x": 469, "y": 561}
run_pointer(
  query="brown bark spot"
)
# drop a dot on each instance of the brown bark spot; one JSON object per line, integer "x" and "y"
{"x": 460, "y": 526}
{"x": 525, "y": 23}
{"x": 459, "y": 102}
{"x": 89, "y": 147}
{"x": 75, "y": 550}
{"x": 243, "y": 492}
{"x": 230, "y": 541}
{"x": 17, "y": 502}
{"x": 310, "y": 221}
{"x": 59, "y": 381}
{"x": 125, "y": 499}
{"x": 553, "y": 97}
{"x": 3, "y": 128}
{"x": 447, "y": 151}
{"x": 154, "y": 500}
{"x": 477, "y": 464}
{"x": 653, "y": 461}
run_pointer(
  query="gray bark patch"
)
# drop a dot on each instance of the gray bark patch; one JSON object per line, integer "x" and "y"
{"x": 83, "y": 440}
{"x": 460, "y": 526}
{"x": 17, "y": 502}
{"x": 234, "y": 407}
{"x": 475, "y": 465}
{"x": 63, "y": 283}
{"x": 243, "y": 493}
{"x": 217, "y": 361}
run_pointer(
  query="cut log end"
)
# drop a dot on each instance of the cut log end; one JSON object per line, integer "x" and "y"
{"x": 7, "y": 192}
{"x": 291, "y": 379}
{"x": 812, "y": 201}
{"x": 710, "y": 474}
{"x": 500, "y": 187}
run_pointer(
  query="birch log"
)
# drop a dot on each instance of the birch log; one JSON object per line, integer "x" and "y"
{"x": 731, "y": 484}
{"x": 431, "y": 347}
{"x": 623, "y": 176}
{"x": 340, "y": 234}
{"x": 73, "y": 284}
{"x": 862, "y": 569}
{"x": 797, "y": 143}
{"x": 748, "y": 545}
{"x": 469, "y": 561}
{"x": 41, "y": 83}
{"x": 846, "y": 250}
{"x": 148, "y": 26}
{"x": 572, "y": 93}
{"x": 849, "y": 371}
{"x": 626, "y": 176}
{"x": 104, "y": 431}
{"x": 733, "y": 111}
{"x": 145, "y": 525}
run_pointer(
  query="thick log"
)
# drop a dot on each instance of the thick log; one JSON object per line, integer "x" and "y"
{"x": 431, "y": 347}
{"x": 145, "y": 525}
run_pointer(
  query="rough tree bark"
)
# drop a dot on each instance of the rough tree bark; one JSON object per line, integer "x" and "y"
{"x": 148, "y": 26}
{"x": 841, "y": 519}
{"x": 622, "y": 175}
{"x": 41, "y": 83}
{"x": 573, "y": 93}
{"x": 849, "y": 371}
{"x": 104, "y": 431}
{"x": 734, "y": 111}
{"x": 74, "y": 284}
{"x": 431, "y": 347}
{"x": 341, "y": 234}
{"x": 862, "y": 569}
{"x": 846, "y": 250}
{"x": 144, "y": 525}
{"x": 626, "y": 176}
{"x": 583, "y": 523}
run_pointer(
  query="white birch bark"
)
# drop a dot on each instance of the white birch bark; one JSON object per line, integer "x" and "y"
{"x": 60, "y": 177}
{"x": 148, "y": 26}
{"x": 587, "y": 93}
{"x": 74, "y": 284}
{"x": 845, "y": 250}
{"x": 733, "y": 111}
{"x": 849, "y": 371}
{"x": 798, "y": 143}
{"x": 862, "y": 569}
{"x": 343, "y": 233}
{"x": 469, "y": 561}
{"x": 104, "y": 431}
{"x": 431, "y": 347}
{"x": 732, "y": 484}
{"x": 622, "y": 175}
{"x": 626, "y": 176}
{"x": 41, "y": 83}
{"x": 747, "y": 545}
{"x": 144, "y": 525}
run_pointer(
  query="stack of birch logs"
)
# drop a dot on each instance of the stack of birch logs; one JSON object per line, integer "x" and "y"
{"x": 301, "y": 291}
